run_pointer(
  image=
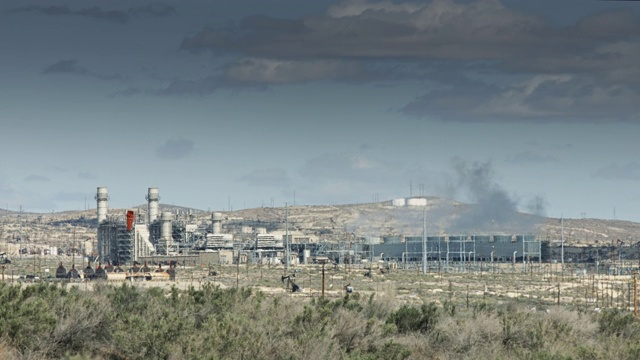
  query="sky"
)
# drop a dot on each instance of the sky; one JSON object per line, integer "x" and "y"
{"x": 232, "y": 104}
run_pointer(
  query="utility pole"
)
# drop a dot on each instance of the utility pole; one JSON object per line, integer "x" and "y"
{"x": 20, "y": 231}
{"x": 286, "y": 235}
{"x": 424, "y": 241}
{"x": 562, "y": 240}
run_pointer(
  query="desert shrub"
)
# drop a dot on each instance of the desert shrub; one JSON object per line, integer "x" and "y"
{"x": 26, "y": 315}
{"x": 409, "y": 319}
{"x": 613, "y": 322}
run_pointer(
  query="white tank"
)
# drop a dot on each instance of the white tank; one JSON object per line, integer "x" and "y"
{"x": 102, "y": 198}
{"x": 417, "y": 202}
{"x": 153, "y": 198}
{"x": 398, "y": 202}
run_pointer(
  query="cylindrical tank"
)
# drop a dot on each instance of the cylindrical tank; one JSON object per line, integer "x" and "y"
{"x": 102, "y": 197}
{"x": 153, "y": 198}
{"x": 398, "y": 202}
{"x": 417, "y": 202}
{"x": 216, "y": 220}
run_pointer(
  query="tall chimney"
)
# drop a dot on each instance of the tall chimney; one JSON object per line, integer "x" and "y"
{"x": 216, "y": 223}
{"x": 166, "y": 230}
{"x": 102, "y": 197}
{"x": 153, "y": 199}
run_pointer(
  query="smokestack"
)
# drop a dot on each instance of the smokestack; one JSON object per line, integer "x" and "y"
{"x": 216, "y": 223}
{"x": 102, "y": 197}
{"x": 166, "y": 229}
{"x": 153, "y": 198}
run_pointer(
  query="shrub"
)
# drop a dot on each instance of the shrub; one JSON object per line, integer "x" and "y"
{"x": 409, "y": 319}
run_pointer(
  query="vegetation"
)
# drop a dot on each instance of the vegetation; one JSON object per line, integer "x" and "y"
{"x": 125, "y": 322}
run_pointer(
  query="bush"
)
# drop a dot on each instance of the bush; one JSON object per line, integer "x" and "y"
{"x": 409, "y": 319}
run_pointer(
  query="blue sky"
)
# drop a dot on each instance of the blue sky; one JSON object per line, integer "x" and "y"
{"x": 247, "y": 102}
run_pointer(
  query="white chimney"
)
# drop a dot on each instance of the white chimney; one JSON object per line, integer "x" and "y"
{"x": 153, "y": 198}
{"x": 216, "y": 223}
{"x": 102, "y": 197}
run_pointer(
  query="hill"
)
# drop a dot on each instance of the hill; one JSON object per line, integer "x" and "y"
{"x": 443, "y": 216}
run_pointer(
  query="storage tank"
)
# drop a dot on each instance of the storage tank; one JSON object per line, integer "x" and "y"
{"x": 398, "y": 202}
{"x": 417, "y": 202}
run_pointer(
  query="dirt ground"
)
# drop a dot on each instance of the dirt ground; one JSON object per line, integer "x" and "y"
{"x": 540, "y": 286}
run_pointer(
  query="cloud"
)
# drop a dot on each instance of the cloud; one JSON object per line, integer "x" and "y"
{"x": 14, "y": 196}
{"x": 530, "y": 157}
{"x": 116, "y": 16}
{"x": 577, "y": 72}
{"x": 175, "y": 149}
{"x": 57, "y": 169}
{"x": 72, "y": 67}
{"x": 36, "y": 178}
{"x": 349, "y": 166}
{"x": 86, "y": 175}
{"x": 273, "y": 177}
{"x": 153, "y": 10}
{"x": 440, "y": 29}
{"x": 69, "y": 196}
{"x": 629, "y": 171}
{"x": 274, "y": 71}
{"x": 541, "y": 97}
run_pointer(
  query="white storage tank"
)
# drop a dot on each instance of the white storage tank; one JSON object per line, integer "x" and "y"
{"x": 398, "y": 202}
{"x": 417, "y": 202}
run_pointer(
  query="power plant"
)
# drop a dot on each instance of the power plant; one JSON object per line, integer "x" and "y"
{"x": 161, "y": 234}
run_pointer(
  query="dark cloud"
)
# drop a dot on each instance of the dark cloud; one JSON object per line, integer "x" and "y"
{"x": 273, "y": 177}
{"x": 153, "y": 10}
{"x": 36, "y": 178}
{"x": 542, "y": 97}
{"x": 72, "y": 67}
{"x": 175, "y": 149}
{"x": 93, "y": 12}
{"x": 274, "y": 71}
{"x": 629, "y": 171}
{"x": 117, "y": 16}
{"x": 474, "y": 30}
{"x": 530, "y": 157}
{"x": 577, "y": 72}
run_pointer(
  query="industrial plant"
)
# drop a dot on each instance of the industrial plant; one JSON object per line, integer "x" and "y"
{"x": 163, "y": 236}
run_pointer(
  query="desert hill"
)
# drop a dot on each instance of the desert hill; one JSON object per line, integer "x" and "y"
{"x": 333, "y": 222}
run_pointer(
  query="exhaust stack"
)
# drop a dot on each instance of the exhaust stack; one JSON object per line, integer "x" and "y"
{"x": 166, "y": 230}
{"x": 102, "y": 198}
{"x": 153, "y": 198}
{"x": 216, "y": 223}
